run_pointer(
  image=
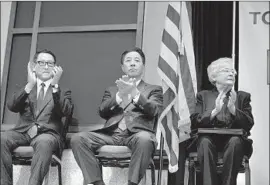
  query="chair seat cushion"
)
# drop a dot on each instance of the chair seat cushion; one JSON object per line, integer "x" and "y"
{"x": 112, "y": 151}
{"x": 23, "y": 151}
{"x": 194, "y": 156}
{"x": 23, "y": 154}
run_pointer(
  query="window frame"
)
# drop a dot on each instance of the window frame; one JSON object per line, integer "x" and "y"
{"x": 35, "y": 30}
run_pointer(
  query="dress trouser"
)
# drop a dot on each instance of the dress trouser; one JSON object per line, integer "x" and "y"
{"x": 232, "y": 148}
{"x": 44, "y": 145}
{"x": 85, "y": 144}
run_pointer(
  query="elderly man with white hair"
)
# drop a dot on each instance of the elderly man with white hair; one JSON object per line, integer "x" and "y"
{"x": 222, "y": 107}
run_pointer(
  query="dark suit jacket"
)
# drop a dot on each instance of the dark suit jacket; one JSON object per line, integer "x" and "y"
{"x": 55, "y": 106}
{"x": 144, "y": 113}
{"x": 206, "y": 103}
{"x": 243, "y": 118}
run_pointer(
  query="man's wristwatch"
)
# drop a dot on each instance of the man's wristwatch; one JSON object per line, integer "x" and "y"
{"x": 56, "y": 86}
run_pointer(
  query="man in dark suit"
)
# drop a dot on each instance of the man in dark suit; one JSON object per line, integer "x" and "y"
{"x": 131, "y": 109}
{"x": 41, "y": 105}
{"x": 222, "y": 107}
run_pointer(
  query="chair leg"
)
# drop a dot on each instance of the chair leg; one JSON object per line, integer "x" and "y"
{"x": 153, "y": 176}
{"x": 247, "y": 174}
{"x": 59, "y": 174}
{"x": 186, "y": 173}
{"x": 192, "y": 178}
{"x": 100, "y": 166}
{"x": 11, "y": 173}
{"x": 46, "y": 178}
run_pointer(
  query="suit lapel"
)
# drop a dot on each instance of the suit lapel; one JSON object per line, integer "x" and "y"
{"x": 236, "y": 101}
{"x": 33, "y": 100}
{"x": 141, "y": 86}
{"x": 214, "y": 96}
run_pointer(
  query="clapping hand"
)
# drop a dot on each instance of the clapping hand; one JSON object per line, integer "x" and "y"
{"x": 231, "y": 102}
{"x": 218, "y": 104}
{"x": 57, "y": 73}
{"x": 31, "y": 78}
{"x": 126, "y": 86}
{"x": 219, "y": 101}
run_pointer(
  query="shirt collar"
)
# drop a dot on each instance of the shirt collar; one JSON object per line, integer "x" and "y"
{"x": 138, "y": 82}
{"x": 47, "y": 83}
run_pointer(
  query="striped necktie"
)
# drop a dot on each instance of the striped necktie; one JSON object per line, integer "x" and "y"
{"x": 40, "y": 97}
{"x": 122, "y": 124}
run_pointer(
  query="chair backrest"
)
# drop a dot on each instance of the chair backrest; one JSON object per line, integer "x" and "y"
{"x": 66, "y": 121}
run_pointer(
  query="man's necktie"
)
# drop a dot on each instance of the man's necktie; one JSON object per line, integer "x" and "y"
{"x": 32, "y": 132}
{"x": 122, "y": 124}
{"x": 40, "y": 97}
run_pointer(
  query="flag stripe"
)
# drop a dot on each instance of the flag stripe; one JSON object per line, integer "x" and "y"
{"x": 173, "y": 15}
{"x": 173, "y": 157}
{"x": 188, "y": 43}
{"x": 169, "y": 72}
{"x": 168, "y": 97}
{"x": 168, "y": 56}
{"x": 187, "y": 83}
{"x": 168, "y": 83}
{"x": 175, "y": 120}
{"x": 189, "y": 11}
{"x": 171, "y": 43}
{"x": 172, "y": 29}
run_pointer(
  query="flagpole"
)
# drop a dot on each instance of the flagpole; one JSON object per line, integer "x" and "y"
{"x": 233, "y": 34}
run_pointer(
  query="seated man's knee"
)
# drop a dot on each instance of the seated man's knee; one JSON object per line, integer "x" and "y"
{"x": 204, "y": 142}
{"x": 44, "y": 147}
{"x": 45, "y": 143}
{"x": 144, "y": 138}
{"x": 76, "y": 139}
{"x": 79, "y": 139}
{"x": 3, "y": 139}
{"x": 235, "y": 141}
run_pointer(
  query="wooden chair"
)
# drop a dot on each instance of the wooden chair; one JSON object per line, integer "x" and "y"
{"x": 193, "y": 164}
{"x": 22, "y": 155}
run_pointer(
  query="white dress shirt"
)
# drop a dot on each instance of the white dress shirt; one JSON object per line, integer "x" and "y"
{"x": 47, "y": 85}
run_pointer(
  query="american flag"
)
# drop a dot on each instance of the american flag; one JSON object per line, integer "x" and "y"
{"x": 176, "y": 68}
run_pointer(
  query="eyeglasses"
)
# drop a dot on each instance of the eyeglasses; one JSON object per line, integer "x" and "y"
{"x": 228, "y": 71}
{"x": 43, "y": 63}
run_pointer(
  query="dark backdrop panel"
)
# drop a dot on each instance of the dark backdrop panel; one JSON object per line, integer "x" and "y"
{"x": 91, "y": 62}
{"x": 212, "y": 36}
{"x": 87, "y": 13}
{"x": 25, "y": 14}
{"x": 17, "y": 76}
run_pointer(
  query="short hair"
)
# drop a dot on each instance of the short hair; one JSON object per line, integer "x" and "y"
{"x": 44, "y": 51}
{"x": 216, "y": 66}
{"x": 138, "y": 50}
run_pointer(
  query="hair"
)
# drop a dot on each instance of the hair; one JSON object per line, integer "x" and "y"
{"x": 138, "y": 50}
{"x": 44, "y": 51}
{"x": 216, "y": 66}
